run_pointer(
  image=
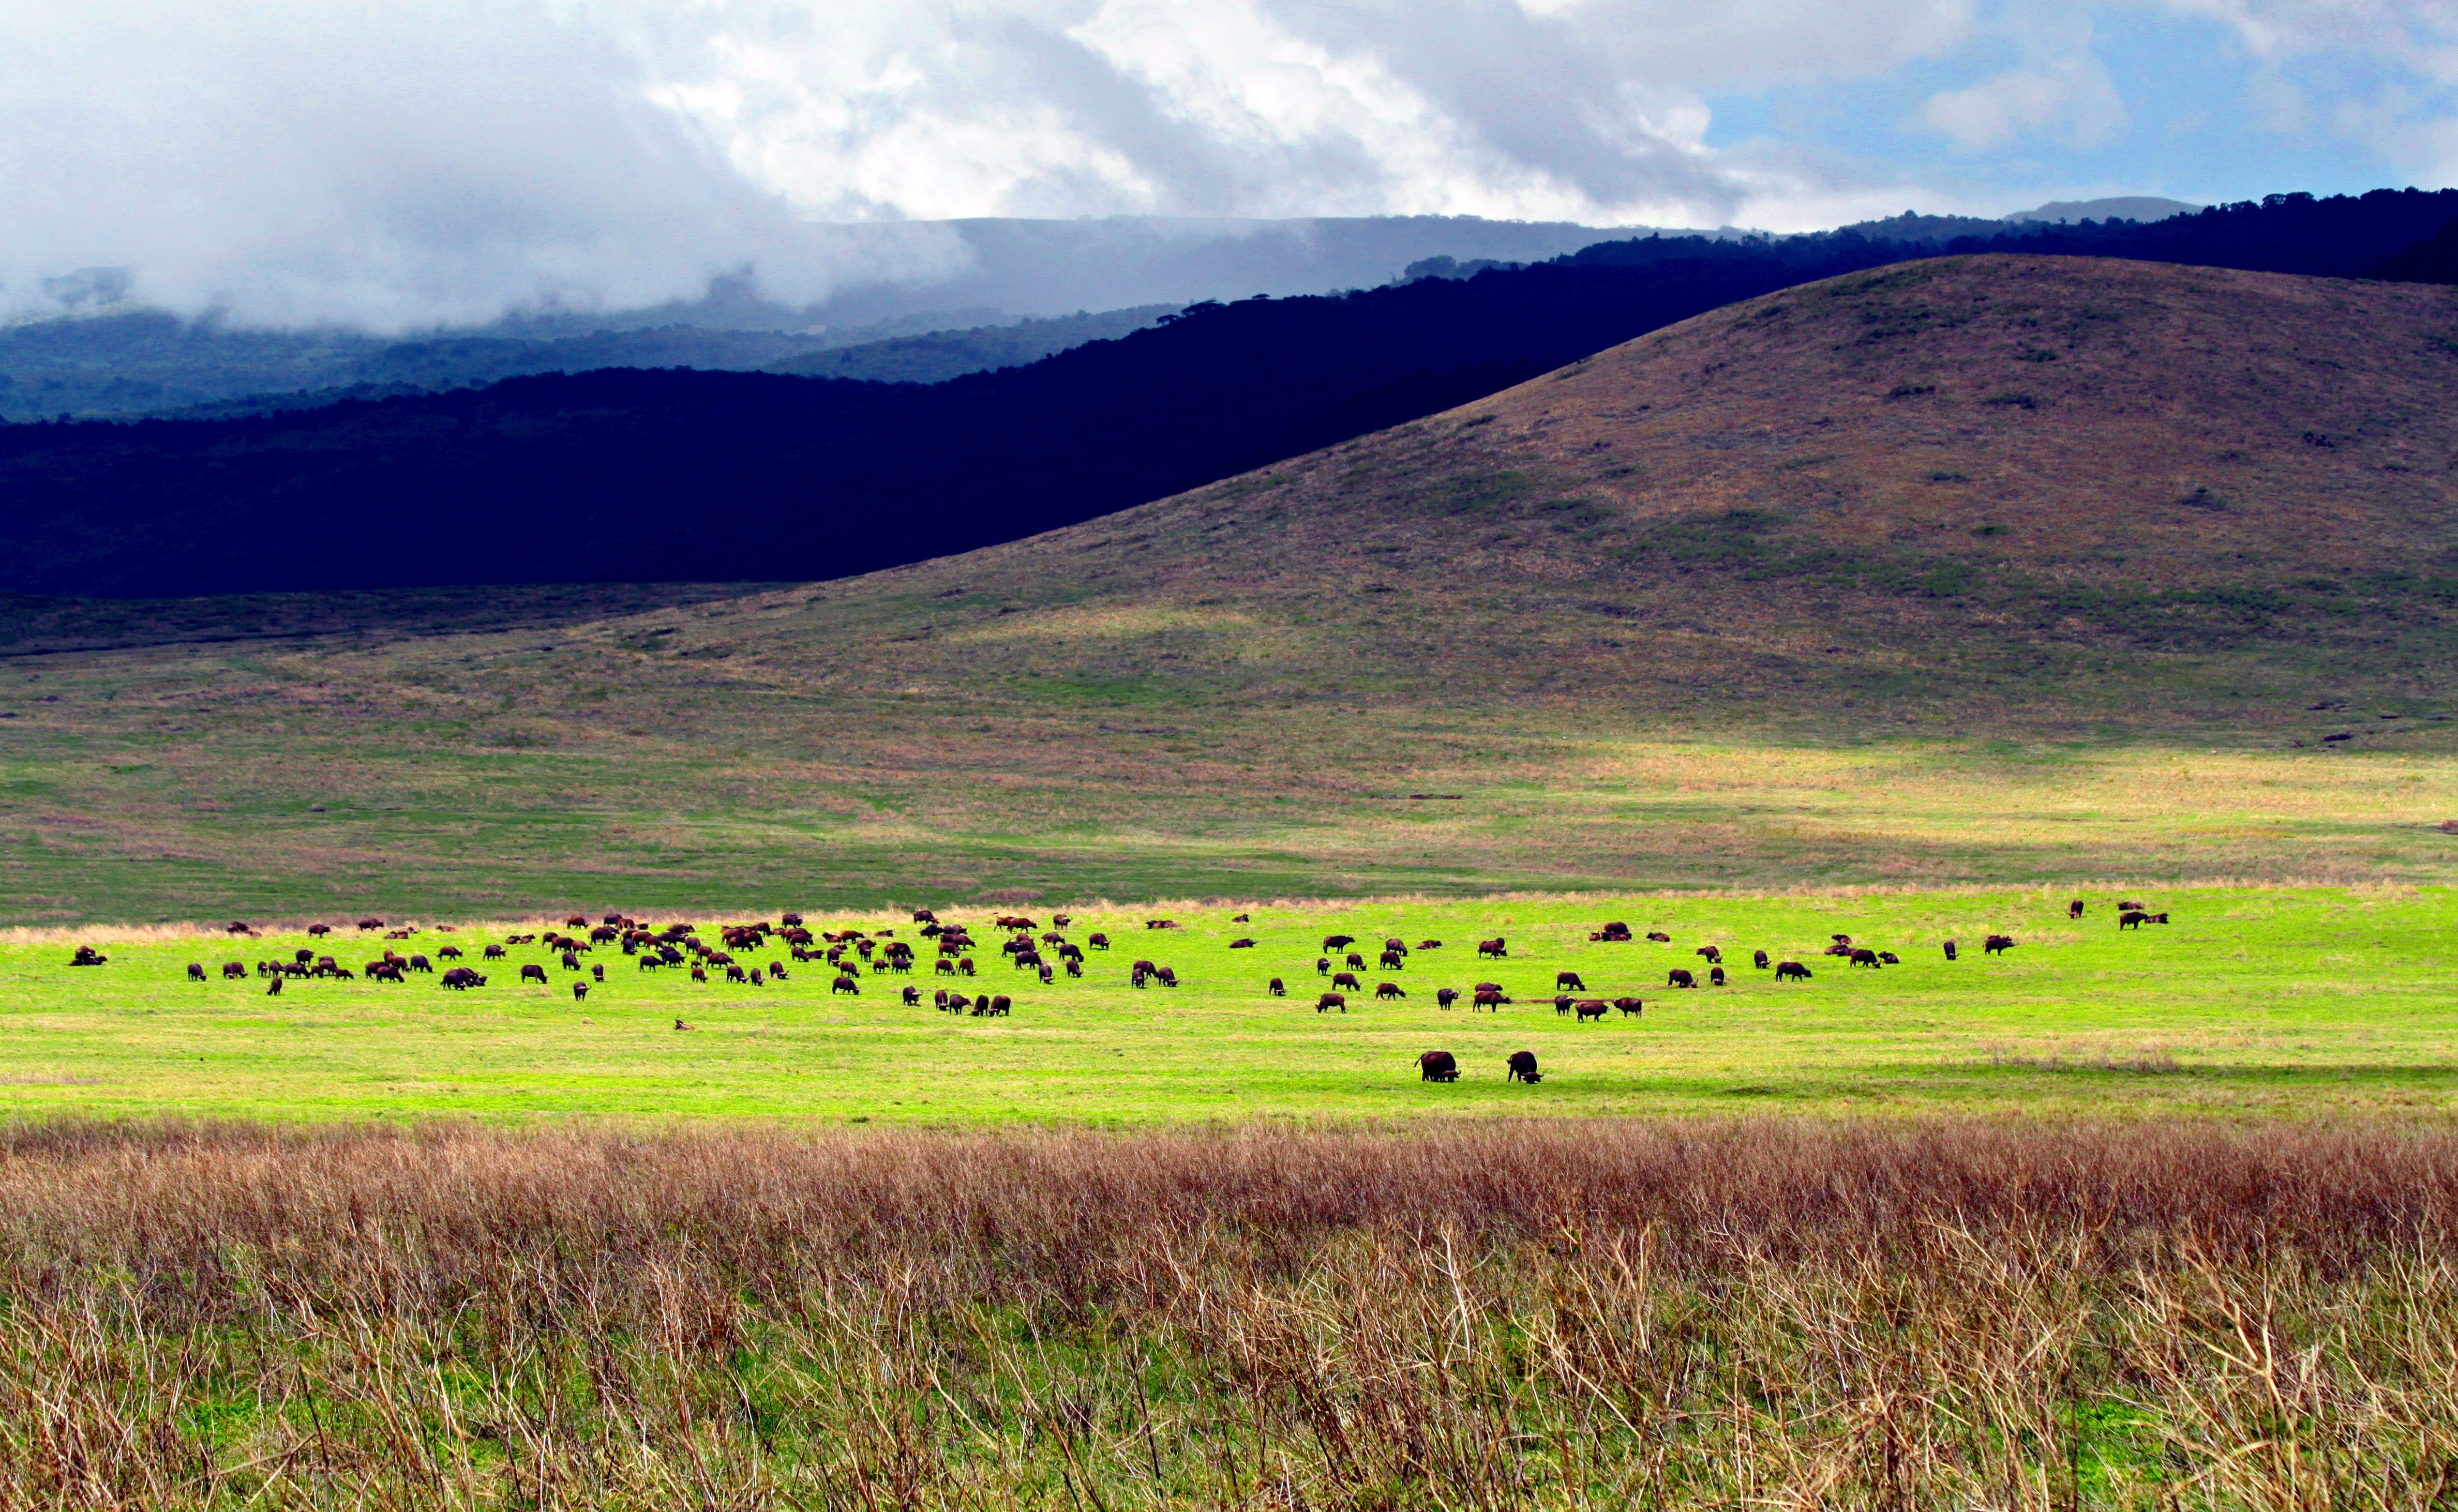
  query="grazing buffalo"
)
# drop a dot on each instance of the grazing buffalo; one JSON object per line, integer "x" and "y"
{"x": 1322, "y": 965}
{"x": 197, "y": 971}
{"x": 1715, "y": 976}
{"x": 1354, "y": 962}
{"x": 492, "y": 952}
{"x": 957, "y": 1003}
{"x": 1591, "y": 1008}
{"x": 924, "y": 916}
{"x": 2136, "y": 919}
{"x": 698, "y": 974}
{"x": 2074, "y": 910}
{"x": 1492, "y": 949}
{"x": 448, "y": 953}
{"x": 1168, "y": 978}
{"x": 1710, "y": 954}
{"x": 1437, "y": 1066}
{"x": 1630, "y": 1007}
{"x": 1890, "y": 958}
{"x": 738, "y": 974}
{"x": 1395, "y": 942}
{"x": 1349, "y": 980}
{"x": 1329, "y": 1001}
{"x": 1865, "y": 958}
{"x": 1336, "y": 942}
{"x": 232, "y": 970}
{"x": 1393, "y": 961}
{"x": 1522, "y": 1067}
{"x": 461, "y": 978}
{"x": 580, "y": 991}
{"x": 1487, "y": 998}
{"x": 1444, "y": 997}
{"x": 998, "y": 1007}
{"x": 1950, "y": 950}
{"x": 1097, "y": 942}
{"x": 912, "y": 996}
{"x": 947, "y": 967}
{"x": 1996, "y": 945}
{"x": 1277, "y": 989}
{"x": 1680, "y": 977}
{"x": 1568, "y": 981}
{"x": 847, "y": 985}
{"x": 416, "y": 963}
{"x": 1386, "y": 991}
{"x": 1791, "y": 971}
{"x": 273, "y": 988}
{"x": 529, "y": 973}
{"x": 1759, "y": 958}
{"x": 1660, "y": 937}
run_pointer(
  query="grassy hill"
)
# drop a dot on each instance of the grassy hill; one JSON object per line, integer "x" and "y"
{"x": 1970, "y": 571}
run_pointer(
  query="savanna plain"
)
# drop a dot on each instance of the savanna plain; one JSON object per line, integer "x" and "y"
{"x": 1910, "y": 608}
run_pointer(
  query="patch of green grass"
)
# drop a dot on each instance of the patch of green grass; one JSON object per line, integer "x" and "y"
{"x": 2300, "y": 1001}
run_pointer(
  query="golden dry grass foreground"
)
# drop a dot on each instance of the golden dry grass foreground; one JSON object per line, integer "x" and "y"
{"x": 1972, "y": 570}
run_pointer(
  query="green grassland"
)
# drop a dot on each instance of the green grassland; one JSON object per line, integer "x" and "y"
{"x": 2294, "y": 1000}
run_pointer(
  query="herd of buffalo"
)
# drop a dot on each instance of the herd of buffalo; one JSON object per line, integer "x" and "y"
{"x": 1028, "y": 947}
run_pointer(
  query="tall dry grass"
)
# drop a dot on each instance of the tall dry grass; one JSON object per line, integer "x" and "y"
{"x": 1761, "y": 1314}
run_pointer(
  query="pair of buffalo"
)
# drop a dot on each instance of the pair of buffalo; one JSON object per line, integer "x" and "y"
{"x": 1441, "y": 1065}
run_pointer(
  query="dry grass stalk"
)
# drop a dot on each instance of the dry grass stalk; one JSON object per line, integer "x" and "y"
{"x": 2002, "y": 1315}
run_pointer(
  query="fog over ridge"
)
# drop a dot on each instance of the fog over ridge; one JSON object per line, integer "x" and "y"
{"x": 398, "y": 166}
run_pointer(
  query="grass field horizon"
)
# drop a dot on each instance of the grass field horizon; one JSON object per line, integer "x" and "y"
{"x": 2258, "y": 1001}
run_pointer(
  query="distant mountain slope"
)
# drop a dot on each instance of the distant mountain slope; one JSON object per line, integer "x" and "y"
{"x": 937, "y": 356}
{"x": 636, "y": 467}
{"x": 2029, "y": 486}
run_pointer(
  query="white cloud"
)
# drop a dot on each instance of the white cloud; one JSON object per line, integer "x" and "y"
{"x": 396, "y": 162}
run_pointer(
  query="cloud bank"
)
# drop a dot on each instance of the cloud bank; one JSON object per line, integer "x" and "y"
{"x": 398, "y": 163}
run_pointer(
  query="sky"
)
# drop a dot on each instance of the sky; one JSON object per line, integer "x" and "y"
{"x": 397, "y": 163}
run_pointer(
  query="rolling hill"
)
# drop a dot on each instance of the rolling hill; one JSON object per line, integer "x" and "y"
{"x": 1980, "y": 568}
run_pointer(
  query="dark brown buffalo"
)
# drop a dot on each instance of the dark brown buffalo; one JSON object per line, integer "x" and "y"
{"x": 1660, "y": 937}
{"x": 1995, "y": 944}
{"x": 88, "y": 956}
{"x": 1488, "y": 999}
{"x": 1562, "y": 1005}
{"x": 2074, "y": 910}
{"x": 846, "y": 984}
{"x": 1715, "y": 976}
{"x": 232, "y": 970}
{"x": 273, "y": 989}
{"x": 1680, "y": 977}
{"x": 1759, "y": 958}
{"x": 1568, "y": 981}
{"x": 1097, "y": 942}
{"x": 1395, "y": 942}
{"x": 1355, "y": 961}
{"x": 912, "y": 996}
{"x": 1429, "y": 945}
{"x": 1791, "y": 971}
{"x": 1591, "y": 1008}
{"x": 1444, "y": 997}
{"x": 1437, "y": 1066}
{"x": 1495, "y": 948}
{"x": 1630, "y": 1007}
{"x": 1241, "y": 945}
{"x": 1710, "y": 954}
{"x": 197, "y": 971}
{"x": 1950, "y": 950}
{"x": 1349, "y": 980}
{"x": 1329, "y": 1001}
{"x": 580, "y": 991}
{"x": 1386, "y": 991}
{"x": 2132, "y": 919}
{"x": 1393, "y": 961}
{"x": 529, "y": 973}
{"x": 1336, "y": 942}
{"x": 1522, "y": 1067}
{"x": 1863, "y": 957}
{"x": 1277, "y": 989}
